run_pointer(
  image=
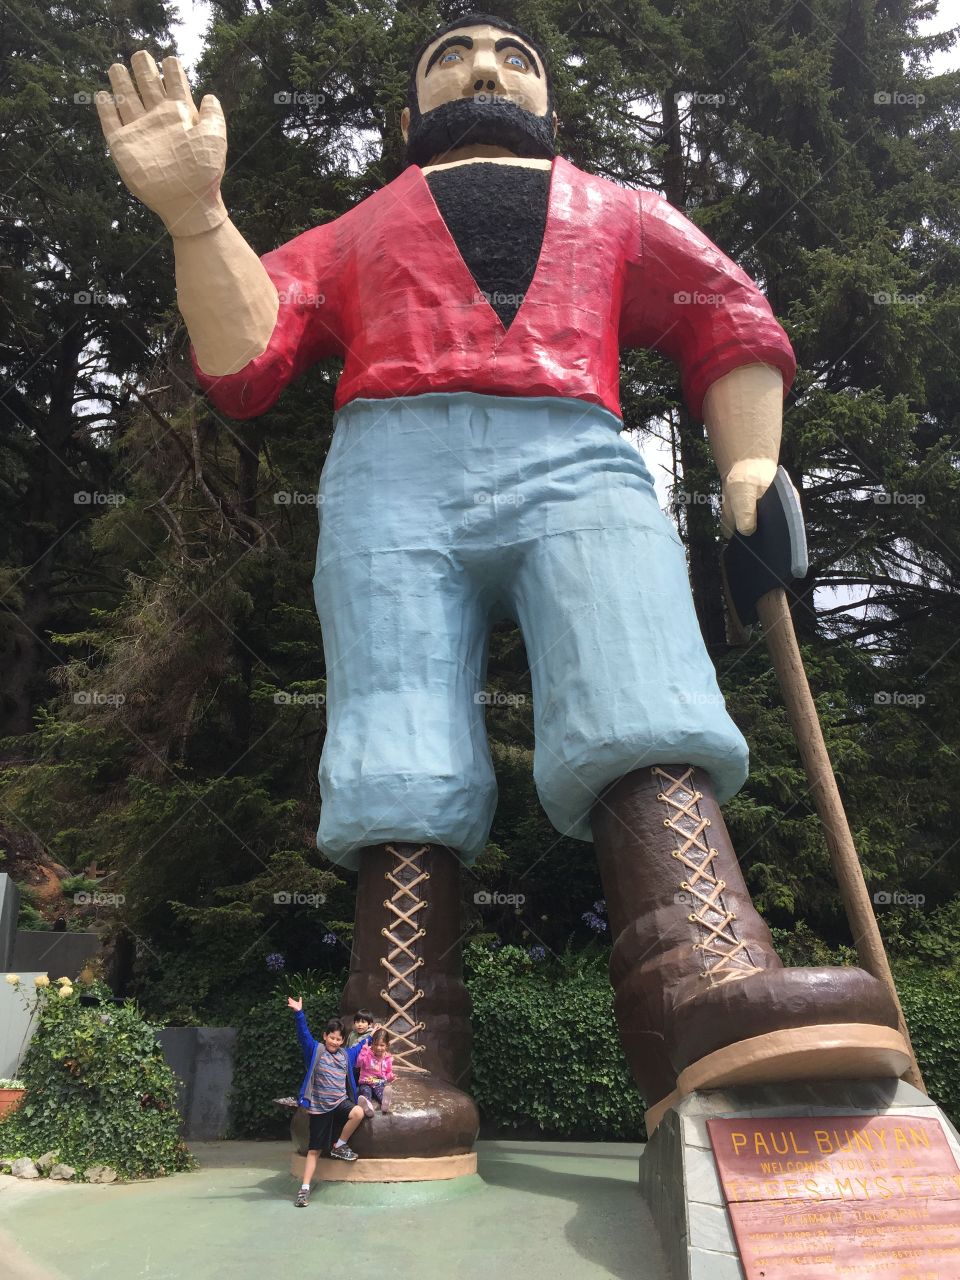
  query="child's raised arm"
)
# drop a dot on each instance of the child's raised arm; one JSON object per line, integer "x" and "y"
{"x": 295, "y": 1004}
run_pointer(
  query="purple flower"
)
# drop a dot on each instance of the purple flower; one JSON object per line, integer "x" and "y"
{"x": 330, "y": 939}
{"x": 275, "y": 962}
{"x": 538, "y": 953}
{"x": 593, "y": 920}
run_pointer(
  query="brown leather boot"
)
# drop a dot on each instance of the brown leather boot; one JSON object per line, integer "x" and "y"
{"x": 405, "y": 967}
{"x": 701, "y": 998}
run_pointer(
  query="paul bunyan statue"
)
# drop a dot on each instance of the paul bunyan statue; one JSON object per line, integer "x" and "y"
{"x": 479, "y": 303}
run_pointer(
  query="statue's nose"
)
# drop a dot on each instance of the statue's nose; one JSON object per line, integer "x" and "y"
{"x": 478, "y": 85}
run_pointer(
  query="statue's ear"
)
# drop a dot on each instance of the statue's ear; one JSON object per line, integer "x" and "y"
{"x": 405, "y": 122}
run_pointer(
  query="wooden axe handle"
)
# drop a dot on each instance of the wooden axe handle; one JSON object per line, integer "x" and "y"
{"x": 778, "y": 629}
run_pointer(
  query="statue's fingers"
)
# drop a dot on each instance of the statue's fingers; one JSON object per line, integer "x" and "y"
{"x": 148, "y": 78}
{"x": 125, "y": 96}
{"x": 743, "y": 506}
{"x": 109, "y": 119}
{"x": 177, "y": 86}
{"x": 727, "y": 523}
{"x": 211, "y": 116}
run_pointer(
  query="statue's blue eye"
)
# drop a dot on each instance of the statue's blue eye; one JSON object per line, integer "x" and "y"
{"x": 517, "y": 61}
{"x": 451, "y": 56}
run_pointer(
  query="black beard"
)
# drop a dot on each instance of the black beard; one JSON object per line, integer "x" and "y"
{"x": 496, "y": 122}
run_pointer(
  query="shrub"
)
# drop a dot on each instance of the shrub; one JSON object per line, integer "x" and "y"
{"x": 546, "y": 1055}
{"x": 98, "y": 1090}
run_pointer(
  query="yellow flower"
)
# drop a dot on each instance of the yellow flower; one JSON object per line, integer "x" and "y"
{"x": 65, "y": 991}
{"x": 41, "y": 980}
{"x": 13, "y": 979}
{"x": 65, "y": 982}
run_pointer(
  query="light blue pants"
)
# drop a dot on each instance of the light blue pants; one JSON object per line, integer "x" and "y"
{"x": 443, "y": 513}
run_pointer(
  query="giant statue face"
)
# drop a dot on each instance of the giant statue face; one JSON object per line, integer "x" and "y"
{"x": 479, "y": 86}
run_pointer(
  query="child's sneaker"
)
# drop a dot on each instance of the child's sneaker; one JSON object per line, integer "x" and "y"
{"x": 303, "y": 1198}
{"x": 343, "y": 1152}
{"x": 366, "y": 1106}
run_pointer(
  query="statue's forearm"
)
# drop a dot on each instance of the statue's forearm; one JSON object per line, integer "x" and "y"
{"x": 743, "y": 414}
{"x": 226, "y": 298}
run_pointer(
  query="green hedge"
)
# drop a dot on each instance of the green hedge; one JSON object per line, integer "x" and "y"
{"x": 546, "y": 1055}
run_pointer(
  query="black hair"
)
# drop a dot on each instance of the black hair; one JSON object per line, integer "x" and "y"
{"x": 333, "y": 1024}
{"x": 364, "y": 1015}
{"x": 479, "y": 20}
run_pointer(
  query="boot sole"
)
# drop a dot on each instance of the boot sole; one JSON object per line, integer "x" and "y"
{"x": 832, "y": 1051}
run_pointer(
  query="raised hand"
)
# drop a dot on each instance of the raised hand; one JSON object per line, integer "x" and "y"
{"x": 295, "y": 1004}
{"x": 171, "y": 156}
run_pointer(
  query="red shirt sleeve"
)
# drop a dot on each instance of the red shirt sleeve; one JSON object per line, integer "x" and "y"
{"x": 685, "y": 298}
{"x": 306, "y": 273}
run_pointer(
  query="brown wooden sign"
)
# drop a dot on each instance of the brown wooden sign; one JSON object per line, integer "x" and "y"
{"x": 875, "y": 1197}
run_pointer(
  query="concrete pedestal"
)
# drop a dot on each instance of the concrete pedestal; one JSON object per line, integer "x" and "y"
{"x": 678, "y": 1175}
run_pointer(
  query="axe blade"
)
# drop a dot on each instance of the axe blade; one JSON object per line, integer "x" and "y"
{"x": 775, "y": 555}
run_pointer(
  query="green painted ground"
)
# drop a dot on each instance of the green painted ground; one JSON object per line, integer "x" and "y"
{"x": 535, "y": 1211}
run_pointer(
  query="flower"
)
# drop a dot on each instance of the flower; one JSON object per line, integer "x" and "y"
{"x": 538, "y": 953}
{"x": 275, "y": 962}
{"x": 41, "y": 980}
{"x": 330, "y": 939}
{"x": 13, "y": 979}
{"x": 65, "y": 991}
{"x": 65, "y": 982}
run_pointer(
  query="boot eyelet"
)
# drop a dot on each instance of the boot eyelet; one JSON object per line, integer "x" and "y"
{"x": 715, "y": 852}
{"x": 675, "y": 853}
{"x": 666, "y": 822}
{"x": 661, "y": 796}
{"x": 707, "y": 822}
{"x": 698, "y": 795}
{"x": 692, "y": 919}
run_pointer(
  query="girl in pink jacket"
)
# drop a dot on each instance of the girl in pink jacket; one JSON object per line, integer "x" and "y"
{"x": 374, "y": 1073}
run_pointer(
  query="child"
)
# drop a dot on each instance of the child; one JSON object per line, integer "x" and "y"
{"x": 375, "y": 1072}
{"x": 362, "y": 1022}
{"x": 328, "y": 1093}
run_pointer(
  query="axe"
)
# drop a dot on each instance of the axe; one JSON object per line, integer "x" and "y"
{"x": 757, "y": 570}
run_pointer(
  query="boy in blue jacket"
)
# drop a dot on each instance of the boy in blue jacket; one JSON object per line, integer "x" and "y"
{"x": 328, "y": 1092}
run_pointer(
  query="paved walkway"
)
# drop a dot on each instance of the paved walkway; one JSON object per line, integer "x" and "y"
{"x": 534, "y": 1211}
